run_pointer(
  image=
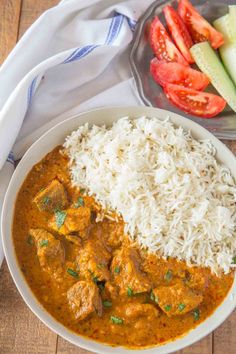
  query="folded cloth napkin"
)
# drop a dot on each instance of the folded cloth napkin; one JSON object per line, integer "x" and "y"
{"x": 75, "y": 51}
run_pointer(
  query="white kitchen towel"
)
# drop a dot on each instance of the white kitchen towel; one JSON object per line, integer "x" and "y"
{"x": 73, "y": 52}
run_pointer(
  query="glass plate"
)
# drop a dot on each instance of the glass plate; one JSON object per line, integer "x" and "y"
{"x": 224, "y": 125}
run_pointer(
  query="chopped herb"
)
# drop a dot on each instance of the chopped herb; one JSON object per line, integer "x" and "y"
{"x": 101, "y": 286}
{"x": 94, "y": 277}
{"x": 46, "y": 200}
{"x": 116, "y": 320}
{"x": 30, "y": 240}
{"x": 107, "y": 303}
{"x": 153, "y": 297}
{"x": 101, "y": 265}
{"x": 168, "y": 275}
{"x": 73, "y": 273}
{"x": 181, "y": 307}
{"x": 60, "y": 218}
{"x": 79, "y": 203}
{"x": 234, "y": 260}
{"x": 82, "y": 190}
{"x": 196, "y": 314}
{"x": 117, "y": 270}
{"x": 167, "y": 307}
{"x": 43, "y": 243}
{"x": 130, "y": 291}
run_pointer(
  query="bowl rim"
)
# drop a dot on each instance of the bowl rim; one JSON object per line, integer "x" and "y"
{"x": 19, "y": 175}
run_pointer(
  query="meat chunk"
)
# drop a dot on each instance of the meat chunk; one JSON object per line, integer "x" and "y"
{"x": 127, "y": 274}
{"x": 71, "y": 220}
{"x": 84, "y": 299}
{"x": 93, "y": 260}
{"x": 50, "y": 253}
{"x": 134, "y": 311}
{"x": 177, "y": 299}
{"x": 113, "y": 232}
{"x": 52, "y": 197}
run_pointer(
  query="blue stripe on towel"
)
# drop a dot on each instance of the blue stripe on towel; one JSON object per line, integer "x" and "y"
{"x": 11, "y": 158}
{"x": 132, "y": 23}
{"x": 79, "y": 53}
{"x": 31, "y": 90}
{"x": 113, "y": 32}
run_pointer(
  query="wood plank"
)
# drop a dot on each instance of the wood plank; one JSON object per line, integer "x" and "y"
{"x": 21, "y": 332}
{"x": 204, "y": 346}
{"x": 31, "y": 10}
{"x": 64, "y": 347}
{"x": 224, "y": 339}
{"x": 9, "y": 25}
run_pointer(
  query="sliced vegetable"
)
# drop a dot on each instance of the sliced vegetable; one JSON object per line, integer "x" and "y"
{"x": 232, "y": 15}
{"x": 224, "y": 26}
{"x": 196, "y": 314}
{"x": 107, "y": 303}
{"x": 168, "y": 307}
{"x": 73, "y": 273}
{"x": 179, "y": 32}
{"x": 199, "y": 29}
{"x": 181, "y": 307}
{"x": 130, "y": 291}
{"x": 210, "y": 64}
{"x": 228, "y": 50}
{"x": 79, "y": 203}
{"x": 168, "y": 275}
{"x": 60, "y": 218}
{"x": 202, "y": 104}
{"x": 153, "y": 297}
{"x": 117, "y": 270}
{"x": 179, "y": 74}
{"x": 162, "y": 45}
{"x": 116, "y": 320}
{"x": 43, "y": 243}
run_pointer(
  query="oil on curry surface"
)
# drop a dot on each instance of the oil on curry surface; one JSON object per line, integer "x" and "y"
{"x": 89, "y": 276}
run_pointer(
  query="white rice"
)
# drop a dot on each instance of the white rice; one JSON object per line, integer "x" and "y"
{"x": 173, "y": 195}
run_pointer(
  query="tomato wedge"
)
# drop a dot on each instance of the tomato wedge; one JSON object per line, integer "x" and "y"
{"x": 162, "y": 45}
{"x": 179, "y": 32}
{"x": 199, "y": 29}
{"x": 202, "y": 104}
{"x": 179, "y": 74}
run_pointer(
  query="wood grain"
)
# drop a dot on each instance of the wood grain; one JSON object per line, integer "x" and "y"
{"x": 31, "y": 10}
{"x": 64, "y": 347}
{"x": 20, "y": 331}
{"x": 9, "y": 24}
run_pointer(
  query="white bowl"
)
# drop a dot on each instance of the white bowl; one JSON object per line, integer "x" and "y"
{"x": 37, "y": 151}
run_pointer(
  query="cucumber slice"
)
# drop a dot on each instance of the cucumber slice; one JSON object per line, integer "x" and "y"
{"x": 228, "y": 49}
{"x": 228, "y": 56}
{"x": 223, "y": 25}
{"x": 232, "y": 15}
{"x": 209, "y": 62}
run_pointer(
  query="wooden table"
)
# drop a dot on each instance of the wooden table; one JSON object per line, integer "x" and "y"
{"x": 20, "y": 331}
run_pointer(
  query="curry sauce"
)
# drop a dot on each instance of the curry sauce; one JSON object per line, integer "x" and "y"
{"x": 91, "y": 278}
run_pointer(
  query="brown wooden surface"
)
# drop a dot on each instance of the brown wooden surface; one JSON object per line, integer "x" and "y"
{"x": 20, "y": 330}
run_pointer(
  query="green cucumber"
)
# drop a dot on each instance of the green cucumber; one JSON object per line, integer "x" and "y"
{"x": 223, "y": 25}
{"x": 228, "y": 49}
{"x": 232, "y": 15}
{"x": 209, "y": 62}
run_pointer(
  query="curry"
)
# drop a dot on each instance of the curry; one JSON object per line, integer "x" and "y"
{"x": 91, "y": 278}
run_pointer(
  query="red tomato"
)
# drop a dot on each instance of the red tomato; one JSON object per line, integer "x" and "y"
{"x": 179, "y": 32}
{"x": 202, "y": 104}
{"x": 199, "y": 29}
{"x": 162, "y": 45}
{"x": 174, "y": 73}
